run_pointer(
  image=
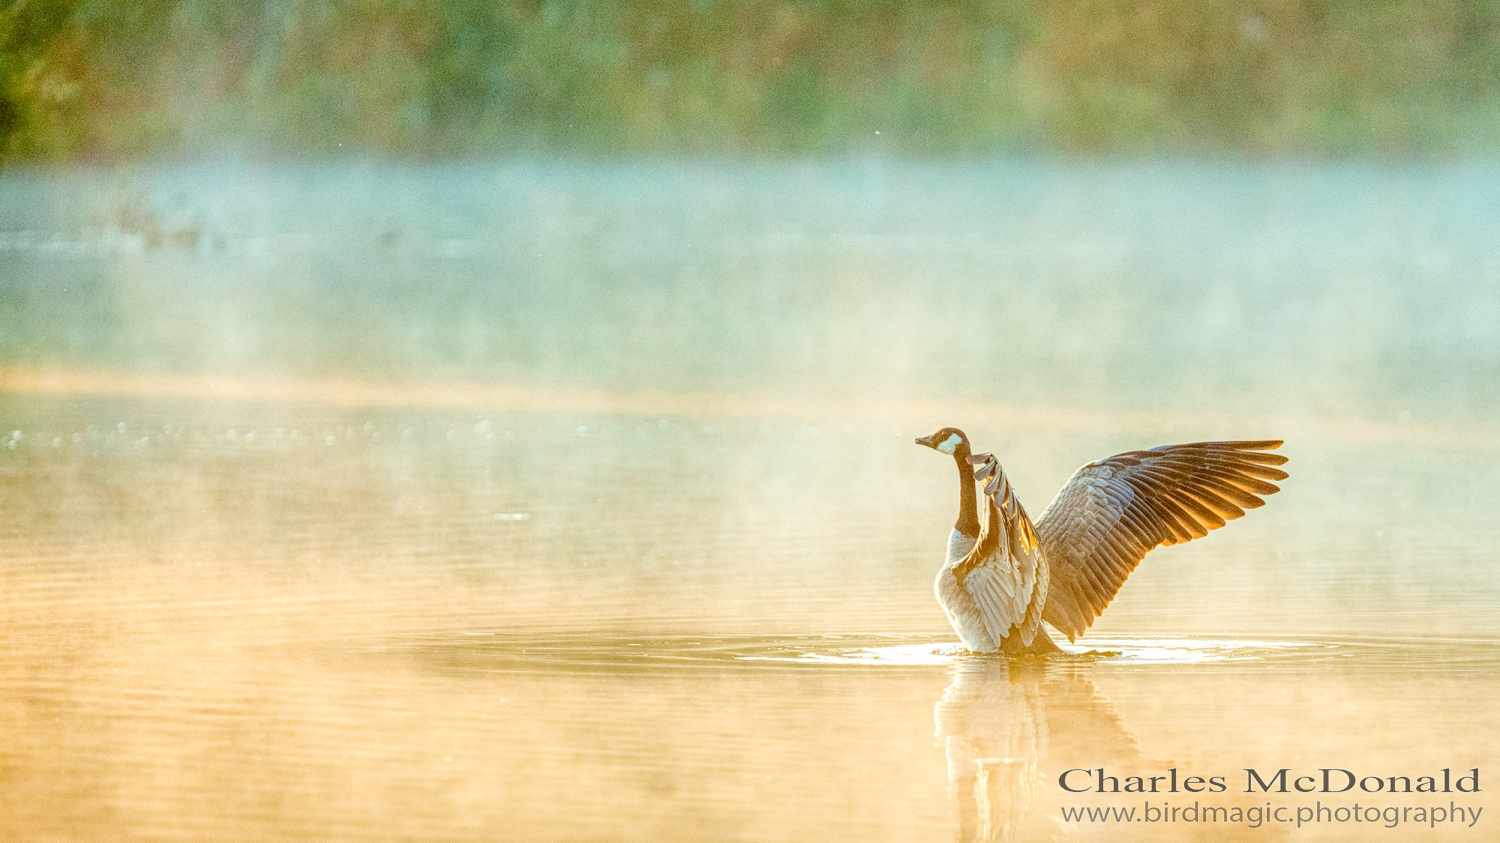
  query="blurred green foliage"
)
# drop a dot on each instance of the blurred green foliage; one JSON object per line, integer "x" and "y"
{"x": 95, "y": 79}
{"x": 28, "y": 31}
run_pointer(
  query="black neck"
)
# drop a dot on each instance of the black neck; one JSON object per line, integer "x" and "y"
{"x": 968, "y": 513}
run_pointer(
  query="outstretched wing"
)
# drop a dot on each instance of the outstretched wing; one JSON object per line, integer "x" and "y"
{"x": 1113, "y": 511}
{"x": 1004, "y": 573}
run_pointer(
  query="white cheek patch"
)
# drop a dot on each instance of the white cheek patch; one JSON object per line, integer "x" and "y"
{"x": 950, "y": 444}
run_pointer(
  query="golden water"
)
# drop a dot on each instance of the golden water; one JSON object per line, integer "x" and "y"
{"x": 236, "y": 621}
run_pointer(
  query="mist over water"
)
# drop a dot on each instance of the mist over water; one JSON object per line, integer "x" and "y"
{"x": 1344, "y": 288}
{"x": 560, "y": 500}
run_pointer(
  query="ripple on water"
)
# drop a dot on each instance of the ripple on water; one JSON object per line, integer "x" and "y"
{"x": 1132, "y": 650}
{"x": 612, "y": 652}
{"x": 1189, "y": 650}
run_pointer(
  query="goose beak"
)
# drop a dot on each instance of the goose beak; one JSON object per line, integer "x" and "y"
{"x": 924, "y": 440}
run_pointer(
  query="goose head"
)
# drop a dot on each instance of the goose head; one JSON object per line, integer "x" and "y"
{"x": 948, "y": 440}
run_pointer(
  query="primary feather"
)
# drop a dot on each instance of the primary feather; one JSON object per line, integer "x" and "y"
{"x": 1116, "y": 510}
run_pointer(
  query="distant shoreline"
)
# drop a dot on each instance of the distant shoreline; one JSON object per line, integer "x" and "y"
{"x": 122, "y": 82}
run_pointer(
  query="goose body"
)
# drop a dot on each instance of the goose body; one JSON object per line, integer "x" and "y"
{"x": 1003, "y": 577}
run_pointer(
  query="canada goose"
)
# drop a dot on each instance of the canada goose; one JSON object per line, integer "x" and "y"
{"x": 998, "y": 586}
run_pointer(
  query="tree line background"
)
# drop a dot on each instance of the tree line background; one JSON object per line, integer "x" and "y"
{"x": 92, "y": 80}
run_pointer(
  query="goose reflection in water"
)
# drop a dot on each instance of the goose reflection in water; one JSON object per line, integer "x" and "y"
{"x": 1008, "y": 727}
{"x": 1002, "y": 724}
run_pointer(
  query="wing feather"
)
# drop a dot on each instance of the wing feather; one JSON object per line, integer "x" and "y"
{"x": 1136, "y": 527}
{"x": 1201, "y": 514}
{"x": 1239, "y": 489}
{"x": 1114, "y": 511}
{"x": 982, "y": 586}
{"x": 1223, "y": 509}
{"x": 1005, "y": 574}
